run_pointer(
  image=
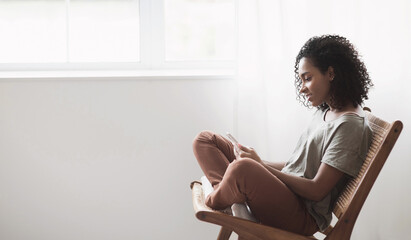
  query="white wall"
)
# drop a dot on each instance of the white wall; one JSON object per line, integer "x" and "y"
{"x": 112, "y": 159}
{"x": 105, "y": 159}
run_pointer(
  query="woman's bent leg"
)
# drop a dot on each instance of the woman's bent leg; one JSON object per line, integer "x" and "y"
{"x": 214, "y": 153}
{"x": 269, "y": 199}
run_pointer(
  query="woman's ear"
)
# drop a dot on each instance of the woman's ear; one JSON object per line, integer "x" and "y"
{"x": 331, "y": 73}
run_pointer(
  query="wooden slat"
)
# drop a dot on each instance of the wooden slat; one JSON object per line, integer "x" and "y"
{"x": 224, "y": 234}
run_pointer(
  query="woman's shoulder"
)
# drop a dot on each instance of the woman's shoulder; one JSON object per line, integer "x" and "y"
{"x": 355, "y": 116}
{"x": 354, "y": 125}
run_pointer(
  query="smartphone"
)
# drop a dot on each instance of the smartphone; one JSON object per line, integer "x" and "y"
{"x": 235, "y": 143}
{"x": 232, "y": 139}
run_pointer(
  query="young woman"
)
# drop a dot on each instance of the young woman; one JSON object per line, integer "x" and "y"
{"x": 299, "y": 195}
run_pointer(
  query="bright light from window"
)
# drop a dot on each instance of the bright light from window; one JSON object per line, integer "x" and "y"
{"x": 32, "y": 31}
{"x": 200, "y": 29}
{"x": 149, "y": 34}
{"x": 104, "y": 31}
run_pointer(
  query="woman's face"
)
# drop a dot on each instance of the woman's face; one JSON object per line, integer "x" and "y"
{"x": 315, "y": 85}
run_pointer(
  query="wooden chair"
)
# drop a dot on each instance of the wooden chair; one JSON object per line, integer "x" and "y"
{"x": 348, "y": 205}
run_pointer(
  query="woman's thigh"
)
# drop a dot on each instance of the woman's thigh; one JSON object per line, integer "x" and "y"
{"x": 269, "y": 199}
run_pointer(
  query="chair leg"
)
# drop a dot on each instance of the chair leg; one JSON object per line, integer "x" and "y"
{"x": 224, "y": 234}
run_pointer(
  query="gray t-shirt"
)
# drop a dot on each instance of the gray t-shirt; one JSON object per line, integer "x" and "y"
{"x": 342, "y": 144}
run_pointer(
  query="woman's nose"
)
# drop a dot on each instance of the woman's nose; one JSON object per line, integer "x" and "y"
{"x": 303, "y": 89}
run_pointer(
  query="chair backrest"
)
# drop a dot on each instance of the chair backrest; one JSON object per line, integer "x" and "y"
{"x": 356, "y": 191}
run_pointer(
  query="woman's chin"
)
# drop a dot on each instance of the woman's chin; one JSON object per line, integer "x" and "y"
{"x": 314, "y": 104}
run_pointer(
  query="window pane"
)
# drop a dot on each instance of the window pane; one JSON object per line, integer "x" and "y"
{"x": 32, "y": 31}
{"x": 104, "y": 31}
{"x": 200, "y": 29}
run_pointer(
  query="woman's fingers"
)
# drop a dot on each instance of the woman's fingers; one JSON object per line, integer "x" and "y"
{"x": 248, "y": 152}
{"x": 243, "y": 148}
{"x": 245, "y": 154}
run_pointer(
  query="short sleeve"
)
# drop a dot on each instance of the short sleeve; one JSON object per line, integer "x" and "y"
{"x": 344, "y": 160}
{"x": 343, "y": 147}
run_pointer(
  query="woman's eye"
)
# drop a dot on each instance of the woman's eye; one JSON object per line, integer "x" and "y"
{"x": 308, "y": 79}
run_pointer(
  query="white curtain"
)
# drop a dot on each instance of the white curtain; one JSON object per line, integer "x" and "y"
{"x": 270, "y": 119}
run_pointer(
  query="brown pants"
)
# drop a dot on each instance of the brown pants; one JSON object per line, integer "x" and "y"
{"x": 245, "y": 180}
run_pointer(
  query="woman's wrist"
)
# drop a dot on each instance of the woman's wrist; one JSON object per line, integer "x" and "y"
{"x": 268, "y": 167}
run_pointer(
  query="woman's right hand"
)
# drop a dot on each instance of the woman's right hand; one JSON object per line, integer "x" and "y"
{"x": 237, "y": 151}
{"x": 249, "y": 152}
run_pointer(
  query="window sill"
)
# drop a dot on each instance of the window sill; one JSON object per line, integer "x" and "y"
{"x": 121, "y": 74}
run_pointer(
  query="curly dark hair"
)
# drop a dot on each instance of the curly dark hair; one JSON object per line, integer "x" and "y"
{"x": 351, "y": 80}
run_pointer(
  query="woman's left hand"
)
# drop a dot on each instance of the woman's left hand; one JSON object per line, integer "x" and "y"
{"x": 249, "y": 152}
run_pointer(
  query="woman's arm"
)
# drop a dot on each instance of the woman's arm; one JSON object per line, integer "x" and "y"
{"x": 312, "y": 189}
{"x": 277, "y": 165}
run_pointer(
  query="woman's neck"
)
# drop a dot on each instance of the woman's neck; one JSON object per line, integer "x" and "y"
{"x": 347, "y": 108}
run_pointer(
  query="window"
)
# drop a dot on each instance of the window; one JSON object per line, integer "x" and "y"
{"x": 103, "y": 31}
{"x": 117, "y": 34}
{"x": 199, "y": 29}
{"x": 32, "y": 31}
